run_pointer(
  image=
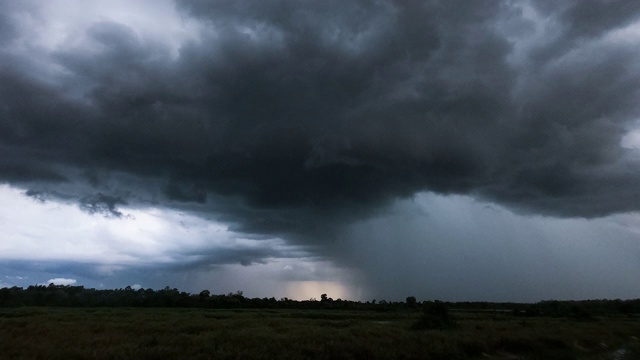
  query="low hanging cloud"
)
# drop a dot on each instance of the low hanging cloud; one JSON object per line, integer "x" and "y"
{"x": 102, "y": 204}
{"x": 296, "y": 119}
{"x": 62, "y": 281}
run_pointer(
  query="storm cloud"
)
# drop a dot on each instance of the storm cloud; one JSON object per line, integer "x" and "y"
{"x": 298, "y": 119}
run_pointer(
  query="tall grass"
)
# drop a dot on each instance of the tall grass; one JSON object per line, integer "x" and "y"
{"x": 106, "y": 333}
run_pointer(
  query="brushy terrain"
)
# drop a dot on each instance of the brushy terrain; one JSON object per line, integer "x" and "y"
{"x": 157, "y": 333}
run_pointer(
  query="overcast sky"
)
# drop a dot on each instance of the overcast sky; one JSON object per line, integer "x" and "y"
{"x": 455, "y": 150}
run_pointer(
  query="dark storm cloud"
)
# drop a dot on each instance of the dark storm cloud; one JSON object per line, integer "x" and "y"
{"x": 294, "y": 117}
{"x": 36, "y": 195}
{"x": 7, "y": 31}
{"x": 234, "y": 255}
{"x": 102, "y": 204}
{"x": 594, "y": 17}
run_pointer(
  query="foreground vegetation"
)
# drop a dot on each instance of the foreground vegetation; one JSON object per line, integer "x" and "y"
{"x": 183, "y": 333}
{"x": 71, "y": 322}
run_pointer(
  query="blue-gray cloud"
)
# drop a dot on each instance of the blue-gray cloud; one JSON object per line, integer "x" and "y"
{"x": 298, "y": 118}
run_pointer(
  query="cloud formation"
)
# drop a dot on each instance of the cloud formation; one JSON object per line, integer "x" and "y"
{"x": 61, "y": 281}
{"x": 296, "y": 119}
{"x": 100, "y": 240}
{"x": 99, "y": 203}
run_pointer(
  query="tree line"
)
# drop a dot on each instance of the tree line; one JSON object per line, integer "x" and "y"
{"x": 79, "y": 296}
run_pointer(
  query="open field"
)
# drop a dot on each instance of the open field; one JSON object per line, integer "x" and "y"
{"x": 132, "y": 333}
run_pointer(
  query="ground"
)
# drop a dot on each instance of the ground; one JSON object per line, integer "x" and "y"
{"x": 152, "y": 333}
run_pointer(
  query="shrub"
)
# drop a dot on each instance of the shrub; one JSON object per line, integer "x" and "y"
{"x": 435, "y": 315}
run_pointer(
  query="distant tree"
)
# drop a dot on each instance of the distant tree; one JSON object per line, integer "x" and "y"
{"x": 435, "y": 315}
{"x": 411, "y": 302}
{"x": 323, "y": 298}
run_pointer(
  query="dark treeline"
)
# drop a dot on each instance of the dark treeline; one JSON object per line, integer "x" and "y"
{"x": 79, "y": 296}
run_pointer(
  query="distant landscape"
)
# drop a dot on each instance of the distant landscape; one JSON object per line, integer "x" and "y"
{"x": 73, "y": 322}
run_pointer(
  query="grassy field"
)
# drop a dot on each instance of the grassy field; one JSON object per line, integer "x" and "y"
{"x": 132, "y": 333}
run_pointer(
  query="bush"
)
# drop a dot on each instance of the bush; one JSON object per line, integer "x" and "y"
{"x": 435, "y": 315}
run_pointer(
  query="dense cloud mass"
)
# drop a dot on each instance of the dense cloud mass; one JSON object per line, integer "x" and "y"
{"x": 296, "y": 118}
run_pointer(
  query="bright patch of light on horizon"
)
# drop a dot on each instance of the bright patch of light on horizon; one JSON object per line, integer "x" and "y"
{"x": 305, "y": 290}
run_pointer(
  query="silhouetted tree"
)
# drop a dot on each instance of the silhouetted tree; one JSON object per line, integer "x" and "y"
{"x": 411, "y": 302}
{"x": 435, "y": 315}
